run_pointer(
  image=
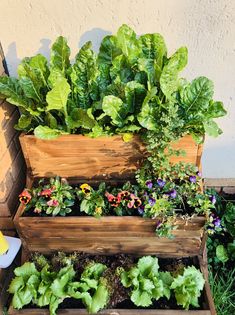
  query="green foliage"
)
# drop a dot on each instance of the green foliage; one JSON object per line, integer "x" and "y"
{"x": 188, "y": 286}
{"x": 146, "y": 282}
{"x": 130, "y": 86}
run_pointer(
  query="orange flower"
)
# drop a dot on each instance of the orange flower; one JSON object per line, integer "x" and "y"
{"x": 25, "y": 197}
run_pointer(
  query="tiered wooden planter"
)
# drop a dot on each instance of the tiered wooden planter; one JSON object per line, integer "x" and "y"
{"x": 81, "y": 159}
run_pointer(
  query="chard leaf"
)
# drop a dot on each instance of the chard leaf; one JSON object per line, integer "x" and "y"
{"x": 30, "y": 89}
{"x": 113, "y": 107}
{"x": 59, "y": 62}
{"x": 108, "y": 50}
{"x": 128, "y": 43}
{"x": 216, "y": 110}
{"x": 12, "y": 90}
{"x": 24, "y": 122}
{"x": 134, "y": 94}
{"x": 39, "y": 64}
{"x": 57, "y": 98}
{"x": 197, "y": 95}
{"x": 121, "y": 70}
{"x": 84, "y": 77}
{"x": 211, "y": 128}
{"x": 80, "y": 118}
{"x": 146, "y": 116}
{"x": 169, "y": 77}
{"x": 46, "y": 133}
{"x": 154, "y": 50}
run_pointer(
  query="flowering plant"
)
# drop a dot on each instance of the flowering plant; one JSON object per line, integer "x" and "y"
{"x": 55, "y": 198}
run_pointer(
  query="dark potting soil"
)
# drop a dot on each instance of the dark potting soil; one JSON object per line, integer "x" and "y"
{"x": 119, "y": 297}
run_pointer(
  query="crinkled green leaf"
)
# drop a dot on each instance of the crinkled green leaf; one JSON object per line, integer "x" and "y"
{"x": 54, "y": 304}
{"x": 148, "y": 265}
{"x": 146, "y": 116}
{"x": 169, "y": 77}
{"x": 16, "y": 284}
{"x": 113, "y": 107}
{"x": 197, "y": 95}
{"x": 57, "y": 98}
{"x": 26, "y": 270}
{"x": 108, "y": 50}
{"x": 24, "y": 122}
{"x": 141, "y": 298}
{"x": 30, "y": 90}
{"x": 128, "y": 43}
{"x": 167, "y": 280}
{"x": 46, "y": 133}
{"x": 59, "y": 62}
{"x": 80, "y": 118}
{"x": 99, "y": 299}
{"x": 84, "y": 75}
{"x": 134, "y": 94}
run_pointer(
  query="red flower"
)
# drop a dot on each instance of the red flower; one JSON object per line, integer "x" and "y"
{"x": 46, "y": 193}
{"x": 114, "y": 201}
{"x": 53, "y": 203}
{"x": 25, "y": 197}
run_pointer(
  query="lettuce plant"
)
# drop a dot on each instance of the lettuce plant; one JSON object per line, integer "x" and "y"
{"x": 188, "y": 286}
{"x": 92, "y": 288}
{"x": 146, "y": 282}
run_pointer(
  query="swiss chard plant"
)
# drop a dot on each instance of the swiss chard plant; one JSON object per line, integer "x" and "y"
{"x": 131, "y": 85}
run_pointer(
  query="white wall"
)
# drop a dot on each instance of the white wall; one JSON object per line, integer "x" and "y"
{"x": 206, "y": 27}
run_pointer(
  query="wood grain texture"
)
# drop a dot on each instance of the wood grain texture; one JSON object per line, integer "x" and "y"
{"x": 86, "y": 158}
{"x": 108, "y": 235}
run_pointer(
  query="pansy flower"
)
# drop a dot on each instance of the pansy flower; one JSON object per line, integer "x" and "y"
{"x": 46, "y": 193}
{"x": 152, "y": 201}
{"x": 124, "y": 195}
{"x": 53, "y": 203}
{"x": 141, "y": 210}
{"x": 37, "y": 210}
{"x": 114, "y": 201}
{"x": 86, "y": 189}
{"x": 161, "y": 183}
{"x": 213, "y": 199}
{"x": 172, "y": 193}
{"x": 134, "y": 202}
{"x": 192, "y": 179}
{"x": 25, "y": 197}
{"x": 149, "y": 184}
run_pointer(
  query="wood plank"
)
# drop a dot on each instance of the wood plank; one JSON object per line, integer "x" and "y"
{"x": 86, "y": 158}
{"x": 6, "y": 223}
{"x": 109, "y": 312}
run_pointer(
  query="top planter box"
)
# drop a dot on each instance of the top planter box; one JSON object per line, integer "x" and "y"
{"x": 84, "y": 158}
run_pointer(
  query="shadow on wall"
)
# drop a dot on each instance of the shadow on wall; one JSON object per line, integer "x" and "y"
{"x": 95, "y": 36}
{"x": 12, "y": 59}
{"x": 45, "y": 47}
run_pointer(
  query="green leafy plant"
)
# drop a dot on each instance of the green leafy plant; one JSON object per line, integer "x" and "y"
{"x": 92, "y": 288}
{"x": 55, "y": 198}
{"x": 131, "y": 85}
{"x": 146, "y": 282}
{"x": 188, "y": 286}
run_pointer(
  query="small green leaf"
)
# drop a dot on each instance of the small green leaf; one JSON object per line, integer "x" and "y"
{"x": 221, "y": 253}
{"x": 113, "y": 107}
{"x": 46, "y": 133}
{"x": 211, "y": 128}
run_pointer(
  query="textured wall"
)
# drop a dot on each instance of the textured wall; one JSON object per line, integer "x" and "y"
{"x": 206, "y": 26}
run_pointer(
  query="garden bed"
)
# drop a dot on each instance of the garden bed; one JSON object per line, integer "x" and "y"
{"x": 122, "y": 305}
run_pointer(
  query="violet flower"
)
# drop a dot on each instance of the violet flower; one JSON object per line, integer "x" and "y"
{"x": 161, "y": 183}
{"x": 213, "y": 199}
{"x": 217, "y": 222}
{"x": 192, "y": 179}
{"x": 151, "y": 201}
{"x": 199, "y": 174}
{"x": 149, "y": 184}
{"x": 141, "y": 210}
{"x": 172, "y": 193}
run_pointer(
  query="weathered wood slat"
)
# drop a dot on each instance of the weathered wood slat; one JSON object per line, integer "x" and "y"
{"x": 109, "y": 312}
{"x": 85, "y": 158}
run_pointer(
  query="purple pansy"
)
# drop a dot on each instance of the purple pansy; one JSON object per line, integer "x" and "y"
{"x": 213, "y": 199}
{"x": 199, "y": 174}
{"x": 152, "y": 201}
{"x": 161, "y": 182}
{"x": 141, "y": 210}
{"x": 158, "y": 224}
{"x": 172, "y": 193}
{"x": 149, "y": 184}
{"x": 217, "y": 222}
{"x": 192, "y": 179}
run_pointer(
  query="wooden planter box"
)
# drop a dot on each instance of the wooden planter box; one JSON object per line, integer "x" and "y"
{"x": 110, "y": 234}
{"x": 208, "y": 305}
{"x": 85, "y": 158}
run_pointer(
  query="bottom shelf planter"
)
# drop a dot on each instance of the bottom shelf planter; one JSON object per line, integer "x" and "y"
{"x": 206, "y": 301}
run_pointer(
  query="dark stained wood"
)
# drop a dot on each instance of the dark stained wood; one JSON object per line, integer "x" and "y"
{"x": 100, "y": 158}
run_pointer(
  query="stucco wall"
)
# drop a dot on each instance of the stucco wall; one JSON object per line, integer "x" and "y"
{"x": 206, "y": 27}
